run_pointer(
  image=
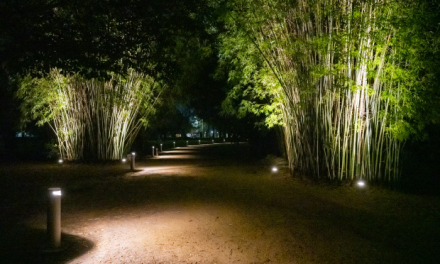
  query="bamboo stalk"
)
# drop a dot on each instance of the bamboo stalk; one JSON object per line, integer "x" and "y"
{"x": 335, "y": 122}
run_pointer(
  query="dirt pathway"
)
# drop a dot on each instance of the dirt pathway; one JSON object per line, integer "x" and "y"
{"x": 197, "y": 207}
{"x": 210, "y": 204}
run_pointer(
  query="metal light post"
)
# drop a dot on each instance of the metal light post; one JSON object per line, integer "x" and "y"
{"x": 157, "y": 151}
{"x": 160, "y": 147}
{"x": 199, "y": 141}
{"x": 54, "y": 218}
{"x": 132, "y": 164}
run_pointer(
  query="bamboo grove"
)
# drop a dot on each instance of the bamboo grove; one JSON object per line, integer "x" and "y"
{"x": 334, "y": 77}
{"x": 92, "y": 118}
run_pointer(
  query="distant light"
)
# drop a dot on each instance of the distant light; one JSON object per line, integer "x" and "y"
{"x": 153, "y": 146}
{"x": 274, "y": 169}
{"x": 361, "y": 183}
{"x": 161, "y": 144}
{"x": 60, "y": 161}
{"x": 124, "y": 160}
{"x": 133, "y": 153}
{"x": 174, "y": 142}
{"x": 56, "y": 193}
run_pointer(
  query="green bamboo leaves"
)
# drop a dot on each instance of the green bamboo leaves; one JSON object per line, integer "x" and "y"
{"x": 336, "y": 75}
{"x": 92, "y": 119}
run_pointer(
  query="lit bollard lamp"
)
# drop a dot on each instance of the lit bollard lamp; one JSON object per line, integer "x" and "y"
{"x": 157, "y": 151}
{"x": 132, "y": 164}
{"x": 160, "y": 147}
{"x": 199, "y": 141}
{"x": 152, "y": 154}
{"x": 54, "y": 218}
{"x": 174, "y": 144}
{"x": 187, "y": 143}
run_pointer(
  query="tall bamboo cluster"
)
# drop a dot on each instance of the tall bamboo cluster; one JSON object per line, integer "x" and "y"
{"x": 93, "y": 119}
{"x": 68, "y": 117}
{"x": 115, "y": 112}
{"x": 330, "y": 59}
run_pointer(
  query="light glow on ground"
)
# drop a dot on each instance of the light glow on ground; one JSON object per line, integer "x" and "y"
{"x": 361, "y": 183}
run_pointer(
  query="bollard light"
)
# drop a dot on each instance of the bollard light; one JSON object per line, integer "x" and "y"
{"x": 54, "y": 218}
{"x": 132, "y": 164}
{"x": 361, "y": 183}
{"x": 60, "y": 161}
{"x": 153, "y": 151}
{"x": 274, "y": 169}
{"x": 187, "y": 143}
{"x": 199, "y": 141}
{"x": 174, "y": 144}
{"x": 223, "y": 140}
{"x": 160, "y": 147}
{"x": 157, "y": 152}
{"x": 124, "y": 160}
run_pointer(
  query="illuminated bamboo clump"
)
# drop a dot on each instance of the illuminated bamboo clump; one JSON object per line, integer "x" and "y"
{"x": 334, "y": 92}
{"x": 92, "y": 119}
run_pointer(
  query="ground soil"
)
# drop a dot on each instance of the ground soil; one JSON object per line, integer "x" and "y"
{"x": 209, "y": 204}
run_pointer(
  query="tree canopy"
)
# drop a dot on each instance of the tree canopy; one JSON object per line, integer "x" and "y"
{"x": 94, "y": 37}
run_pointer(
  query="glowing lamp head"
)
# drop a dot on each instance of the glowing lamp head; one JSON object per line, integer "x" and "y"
{"x": 161, "y": 144}
{"x": 56, "y": 193}
{"x": 60, "y": 161}
{"x": 274, "y": 169}
{"x": 133, "y": 153}
{"x": 153, "y": 147}
{"x": 361, "y": 183}
{"x": 124, "y": 160}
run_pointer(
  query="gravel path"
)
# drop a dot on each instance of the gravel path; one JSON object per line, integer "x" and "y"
{"x": 210, "y": 204}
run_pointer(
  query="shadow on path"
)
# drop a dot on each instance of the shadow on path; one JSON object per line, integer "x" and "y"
{"x": 20, "y": 244}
